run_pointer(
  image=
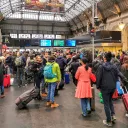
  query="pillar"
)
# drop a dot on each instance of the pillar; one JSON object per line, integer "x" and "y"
{"x": 125, "y": 39}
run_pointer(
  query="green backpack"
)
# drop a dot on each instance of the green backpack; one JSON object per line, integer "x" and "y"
{"x": 19, "y": 61}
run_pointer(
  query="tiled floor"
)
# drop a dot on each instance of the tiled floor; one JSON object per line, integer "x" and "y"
{"x": 68, "y": 115}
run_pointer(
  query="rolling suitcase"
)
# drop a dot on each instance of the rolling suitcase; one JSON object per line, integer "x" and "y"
{"x": 92, "y": 101}
{"x": 67, "y": 79}
{"x": 26, "y": 97}
{"x": 6, "y": 81}
{"x": 125, "y": 99}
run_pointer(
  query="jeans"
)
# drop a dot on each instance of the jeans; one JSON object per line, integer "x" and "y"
{"x": 2, "y": 90}
{"x": 51, "y": 91}
{"x": 62, "y": 73}
{"x": 85, "y": 105}
{"x": 108, "y": 105}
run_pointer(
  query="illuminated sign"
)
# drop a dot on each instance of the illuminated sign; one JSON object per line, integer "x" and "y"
{"x": 24, "y": 36}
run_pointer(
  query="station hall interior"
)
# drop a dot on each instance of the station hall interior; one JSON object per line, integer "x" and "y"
{"x": 61, "y": 27}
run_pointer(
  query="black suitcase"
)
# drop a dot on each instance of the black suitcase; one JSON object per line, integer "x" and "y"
{"x": 26, "y": 97}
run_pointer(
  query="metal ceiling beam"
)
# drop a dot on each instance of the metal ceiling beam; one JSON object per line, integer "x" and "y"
{"x": 117, "y": 7}
{"x": 72, "y": 6}
{"x": 72, "y": 21}
{"x": 100, "y": 12}
{"x": 79, "y": 18}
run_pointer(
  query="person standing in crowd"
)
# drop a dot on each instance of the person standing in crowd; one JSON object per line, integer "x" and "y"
{"x": 83, "y": 90}
{"x": 2, "y": 69}
{"x": 43, "y": 58}
{"x": 122, "y": 57}
{"x": 38, "y": 72}
{"x": 124, "y": 68}
{"x": 68, "y": 58}
{"x": 52, "y": 82}
{"x": 73, "y": 68}
{"x": 115, "y": 61}
{"x": 20, "y": 64}
{"x": 107, "y": 76}
{"x": 118, "y": 56}
{"x": 44, "y": 61}
{"x": 62, "y": 63}
{"x": 9, "y": 62}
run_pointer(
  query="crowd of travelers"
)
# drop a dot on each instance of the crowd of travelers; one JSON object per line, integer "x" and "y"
{"x": 28, "y": 67}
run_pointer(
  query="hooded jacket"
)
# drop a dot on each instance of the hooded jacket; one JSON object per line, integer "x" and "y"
{"x": 107, "y": 76}
{"x": 62, "y": 62}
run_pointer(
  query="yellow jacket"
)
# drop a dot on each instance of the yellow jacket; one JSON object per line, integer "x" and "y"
{"x": 56, "y": 70}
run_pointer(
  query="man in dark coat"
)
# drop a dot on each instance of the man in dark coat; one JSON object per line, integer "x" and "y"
{"x": 73, "y": 68}
{"x": 9, "y": 62}
{"x": 107, "y": 76}
{"x": 62, "y": 63}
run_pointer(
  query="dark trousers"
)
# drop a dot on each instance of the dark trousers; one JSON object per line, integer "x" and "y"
{"x": 62, "y": 74}
{"x": 108, "y": 105}
{"x": 20, "y": 76}
{"x": 74, "y": 79}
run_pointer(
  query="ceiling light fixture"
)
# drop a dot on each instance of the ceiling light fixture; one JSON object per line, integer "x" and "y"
{"x": 121, "y": 25}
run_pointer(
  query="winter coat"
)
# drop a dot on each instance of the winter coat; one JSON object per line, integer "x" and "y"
{"x": 84, "y": 84}
{"x": 107, "y": 76}
{"x": 62, "y": 62}
{"x": 56, "y": 70}
{"x": 73, "y": 67}
{"x": 116, "y": 62}
{"x": 8, "y": 61}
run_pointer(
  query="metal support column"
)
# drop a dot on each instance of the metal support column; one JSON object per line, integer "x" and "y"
{"x": 93, "y": 15}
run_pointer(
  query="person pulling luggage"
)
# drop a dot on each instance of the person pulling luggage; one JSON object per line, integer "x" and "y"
{"x": 52, "y": 76}
{"x": 37, "y": 69}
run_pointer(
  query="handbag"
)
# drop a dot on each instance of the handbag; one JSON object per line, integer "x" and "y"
{"x": 93, "y": 77}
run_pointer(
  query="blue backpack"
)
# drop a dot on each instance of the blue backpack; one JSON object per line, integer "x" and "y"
{"x": 48, "y": 73}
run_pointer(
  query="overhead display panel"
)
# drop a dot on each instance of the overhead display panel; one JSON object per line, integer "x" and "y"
{"x": 47, "y": 36}
{"x": 37, "y": 36}
{"x": 24, "y": 36}
{"x": 59, "y": 43}
{"x": 45, "y": 5}
{"x": 45, "y": 43}
{"x": 13, "y": 35}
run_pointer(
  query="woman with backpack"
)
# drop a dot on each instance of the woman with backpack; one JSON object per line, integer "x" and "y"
{"x": 52, "y": 76}
{"x": 84, "y": 91}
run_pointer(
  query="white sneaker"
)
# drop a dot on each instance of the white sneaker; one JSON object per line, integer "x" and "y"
{"x": 126, "y": 115}
{"x": 109, "y": 124}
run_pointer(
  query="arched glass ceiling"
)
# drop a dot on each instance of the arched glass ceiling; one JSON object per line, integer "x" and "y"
{"x": 15, "y": 9}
